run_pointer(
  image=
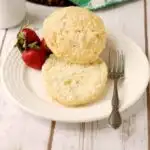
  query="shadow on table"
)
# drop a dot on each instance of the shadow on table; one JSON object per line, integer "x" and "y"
{"x": 127, "y": 114}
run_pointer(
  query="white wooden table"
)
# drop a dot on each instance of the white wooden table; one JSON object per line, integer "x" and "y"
{"x": 22, "y": 131}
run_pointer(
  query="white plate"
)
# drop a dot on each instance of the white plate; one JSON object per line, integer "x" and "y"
{"x": 25, "y": 85}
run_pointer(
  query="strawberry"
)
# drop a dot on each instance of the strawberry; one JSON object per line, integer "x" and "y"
{"x": 34, "y": 52}
{"x": 26, "y": 36}
{"x": 30, "y": 35}
{"x": 34, "y": 57}
{"x": 44, "y": 46}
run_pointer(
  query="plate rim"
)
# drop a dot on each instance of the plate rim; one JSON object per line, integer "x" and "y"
{"x": 32, "y": 112}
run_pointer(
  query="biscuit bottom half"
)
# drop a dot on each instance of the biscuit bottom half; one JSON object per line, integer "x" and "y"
{"x": 74, "y": 84}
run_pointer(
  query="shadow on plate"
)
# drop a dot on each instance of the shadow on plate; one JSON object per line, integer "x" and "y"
{"x": 97, "y": 125}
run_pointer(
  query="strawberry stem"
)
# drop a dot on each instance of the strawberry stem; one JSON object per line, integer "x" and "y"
{"x": 33, "y": 45}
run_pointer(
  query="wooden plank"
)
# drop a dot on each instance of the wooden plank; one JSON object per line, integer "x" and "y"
{"x": 9, "y": 42}
{"x": 2, "y": 33}
{"x": 68, "y": 136}
{"x": 148, "y": 23}
{"x": 132, "y": 134}
{"x": 51, "y": 135}
{"x": 147, "y": 46}
{"x": 18, "y": 129}
{"x": 7, "y": 113}
{"x": 24, "y": 131}
{"x": 2, "y": 38}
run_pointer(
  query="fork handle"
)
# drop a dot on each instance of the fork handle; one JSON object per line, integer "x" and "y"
{"x": 115, "y": 119}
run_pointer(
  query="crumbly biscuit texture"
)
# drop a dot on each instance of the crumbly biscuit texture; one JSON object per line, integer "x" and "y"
{"x": 75, "y": 34}
{"x": 73, "y": 84}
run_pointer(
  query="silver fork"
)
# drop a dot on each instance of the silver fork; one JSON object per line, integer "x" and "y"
{"x": 115, "y": 72}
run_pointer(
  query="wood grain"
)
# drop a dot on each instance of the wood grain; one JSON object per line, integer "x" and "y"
{"x": 147, "y": 47}
{"x": 2, "y": 39}
{"x": 97, "y": 135}
{"x": 19, "y": 130}
{"x": 148, "y": 24}
{"x": 10, "y": 38}
{"x": 52, "y": 131}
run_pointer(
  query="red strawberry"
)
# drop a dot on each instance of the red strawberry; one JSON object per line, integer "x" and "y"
{"x": 34, "y": 58}
{"x": 44, "y": 46}
{"x": 26, "y": 36}
{"x": 30, "y": 35}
